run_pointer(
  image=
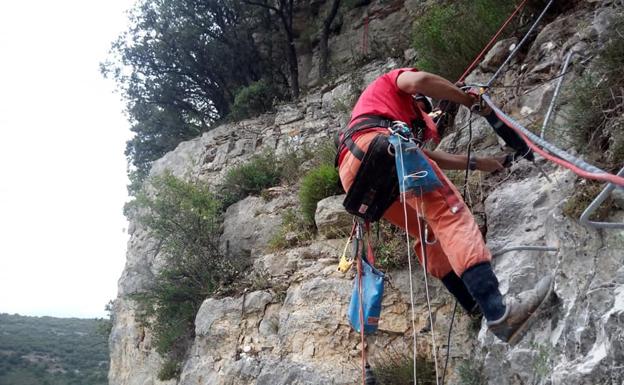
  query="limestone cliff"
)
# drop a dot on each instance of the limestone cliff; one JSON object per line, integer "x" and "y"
{"x": 297, "y": 333}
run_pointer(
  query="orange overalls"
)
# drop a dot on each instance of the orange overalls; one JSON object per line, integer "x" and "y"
{"x": 458, "y": 242}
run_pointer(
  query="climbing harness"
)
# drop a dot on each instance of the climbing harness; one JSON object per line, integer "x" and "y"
{"x": 372, "y": 192}
{"x": 370, "y": 121}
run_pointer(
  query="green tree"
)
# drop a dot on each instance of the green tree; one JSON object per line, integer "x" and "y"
{"x": 284, "y": 10}
{"x": 178, "y": 67}
{"x": 324, "y": 37}
{"x": 185, "y": 218}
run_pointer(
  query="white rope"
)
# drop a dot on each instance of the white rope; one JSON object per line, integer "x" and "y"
{"x": 409, "y": 262}
{"x": 423, "y": 234}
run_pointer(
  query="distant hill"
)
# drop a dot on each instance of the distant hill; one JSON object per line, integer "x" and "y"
{"x": 53, "y": 351}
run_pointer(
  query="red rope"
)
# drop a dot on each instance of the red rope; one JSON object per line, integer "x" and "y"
{"x": 618, "y": 180}
{"x": 491, "y": 42}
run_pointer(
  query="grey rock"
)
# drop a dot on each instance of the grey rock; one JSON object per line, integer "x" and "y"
{"x": 497, "y": 55}
{"x": 288, "y": 114}
{"x": 341, "y": 98}
{"x": 136, "y": 366}
{"x": 249, "y": 224}
{"x": 257, "y": 301}
{"x": 331, "y": 218}
{"x": 479, "y": 133}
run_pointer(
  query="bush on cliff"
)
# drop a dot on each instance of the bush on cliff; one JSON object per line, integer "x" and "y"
{"x": 185, "y": 219}
{"x": 250, "y": 178}
{"x": 449, "y": 36}
{"x": 321, "y": 182}
{"x": 595, "y": 114}
{"x": 253, "y": 99}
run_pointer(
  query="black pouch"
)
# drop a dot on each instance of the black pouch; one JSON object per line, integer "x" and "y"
{"x": 375, "y": 187}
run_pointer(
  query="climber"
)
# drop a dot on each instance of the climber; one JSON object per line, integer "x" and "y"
{"x": 456, "y": 252}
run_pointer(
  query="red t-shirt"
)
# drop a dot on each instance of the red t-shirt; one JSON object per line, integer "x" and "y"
{"x": 383, "y": 97}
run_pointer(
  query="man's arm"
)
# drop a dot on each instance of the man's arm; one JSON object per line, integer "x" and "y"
{"x": 433, "y": 86}
{"x": 458, "y": 162}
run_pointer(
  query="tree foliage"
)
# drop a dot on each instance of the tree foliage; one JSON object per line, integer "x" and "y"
{"x": 447, "y": 46}
{"x": 53, "y": 351}
{"x": 179, "y": 65}
{"x": 185, "y": 219}
{"x": 284, "y": 11}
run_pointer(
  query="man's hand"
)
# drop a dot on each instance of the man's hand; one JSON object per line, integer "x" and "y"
{"x": 478, "y": 106}
{"x": 491, "y": 164}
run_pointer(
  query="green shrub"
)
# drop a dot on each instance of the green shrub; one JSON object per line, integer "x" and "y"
{"x": 397, "y": 368}
{"x": 471, "y": 373}
{"x": 585, "y": 193}
{"x": 185, "y": 219}
{"x": 267, "y": 170}
{"x": 390, "y": 247}
{"x": 294, "y": 231}
{"x": 542, "y": 361}
{"x": 325, "y": 153}
{"x": 254, "y": 99}
{"x": 169, "y": 370}
{"x": 260, "y": 172}
{"x": 449, "y": 36}
{"x": 596, "y": 104}
{"x": 291, "y": 162}
{"x": 321, "y": 182}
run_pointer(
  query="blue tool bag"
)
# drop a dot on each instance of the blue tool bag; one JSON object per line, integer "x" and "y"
{"x": 372, "y": 295}
{"x": 413, "y": 168}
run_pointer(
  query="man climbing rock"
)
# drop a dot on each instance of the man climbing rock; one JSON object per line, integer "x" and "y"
{"x": 455, "y": 251}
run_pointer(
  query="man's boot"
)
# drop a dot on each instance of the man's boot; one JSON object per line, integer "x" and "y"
{"x": 506, "y": 321}
{"x": 456, "y": 286}
{"x": 520, "y": 311}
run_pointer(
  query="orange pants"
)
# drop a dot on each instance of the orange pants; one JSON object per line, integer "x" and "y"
{"x": 458, "y": 242}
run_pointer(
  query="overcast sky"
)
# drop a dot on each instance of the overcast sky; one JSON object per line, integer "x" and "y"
{"x": 63, "y": 172}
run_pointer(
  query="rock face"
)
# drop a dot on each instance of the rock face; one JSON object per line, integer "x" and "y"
{"x": 296, "y": 331}
{"x": 331, "y": 219}
{"x": 251, "y": 223}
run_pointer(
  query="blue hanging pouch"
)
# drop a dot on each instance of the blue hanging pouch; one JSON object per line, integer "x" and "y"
{"x": 372, "y": 295}
{"x": 413, "y": 169}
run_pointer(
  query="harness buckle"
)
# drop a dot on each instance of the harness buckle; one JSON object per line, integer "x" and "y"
{"x": 401, "y": 129}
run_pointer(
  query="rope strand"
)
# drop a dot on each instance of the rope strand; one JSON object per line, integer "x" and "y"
{"x": 409, "y": 264}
